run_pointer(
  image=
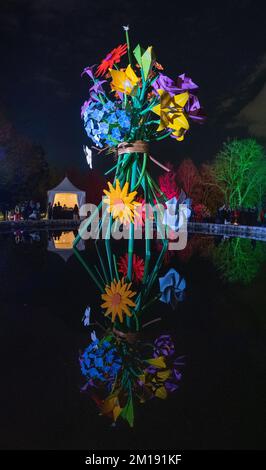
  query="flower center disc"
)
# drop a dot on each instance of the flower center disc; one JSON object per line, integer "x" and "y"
{"x": 116, "y": 299}
{"x": 119, "y": 204}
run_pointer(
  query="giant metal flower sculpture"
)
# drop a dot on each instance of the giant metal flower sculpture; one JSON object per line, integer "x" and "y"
{"x": 131, "y": 107}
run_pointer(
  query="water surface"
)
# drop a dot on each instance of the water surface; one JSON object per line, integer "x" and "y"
{"x": 220, "y": 327}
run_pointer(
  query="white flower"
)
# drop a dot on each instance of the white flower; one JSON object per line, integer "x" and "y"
{"x": 86, "y": 316}
{"x": 172, "y": 287}
{"x": 88, "y": 154}
{"x": 93, "y": 336}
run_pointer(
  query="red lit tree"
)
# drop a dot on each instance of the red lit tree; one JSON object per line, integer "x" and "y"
{"x": 188, "y": 178}
{"x": 168, "y": 184}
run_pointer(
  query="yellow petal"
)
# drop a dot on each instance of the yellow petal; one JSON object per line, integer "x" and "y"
{"x": 161, "y": 393}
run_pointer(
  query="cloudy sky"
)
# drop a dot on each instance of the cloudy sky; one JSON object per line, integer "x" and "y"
{"x": 45, "y": 45}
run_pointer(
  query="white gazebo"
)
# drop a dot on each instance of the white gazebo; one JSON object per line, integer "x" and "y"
{"x": 67, "y": 194}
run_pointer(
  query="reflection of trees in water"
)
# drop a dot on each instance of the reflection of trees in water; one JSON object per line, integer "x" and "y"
{"x": 201, "y": 245}
{"x": 239, "y": 259}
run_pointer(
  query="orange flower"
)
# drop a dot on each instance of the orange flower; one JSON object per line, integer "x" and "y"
{"x": 158, "y": 66}
{"x": 117, "y": 299}
{"x": 112, "y": 58}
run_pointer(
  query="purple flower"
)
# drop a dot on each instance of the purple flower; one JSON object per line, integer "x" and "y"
{"x": 97, "y": 86}
{"x": 165, "y": 83}
{"x": 84, "y": 107}
{"x": 185, "y": 83}
{"x": 89, "y": 71}
{"x": 194, "y": 109}
{"x": 164, "y": 346}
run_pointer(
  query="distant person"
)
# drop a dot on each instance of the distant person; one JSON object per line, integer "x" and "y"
{"x": 255, "y": 215}
{"x": 227, "y": 214}
{"x": 261, "y": 216}
{"x": 38, "y": 209}
{"x": 17, "y": 213}
{"x": 235, "y": 216}
{"x": 50, "y": 211}
{"x": 55, "y": 211}
{"x": 76, "y": 212}
{"x": 59, "y": 210}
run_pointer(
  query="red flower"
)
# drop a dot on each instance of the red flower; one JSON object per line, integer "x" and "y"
{"x": 168, "y": 186}
{"x": 112, "y": 58}
{"x": 138, "y": 267}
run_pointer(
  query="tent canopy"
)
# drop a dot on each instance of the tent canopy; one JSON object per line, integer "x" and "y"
{"x": 67, "y": 194}
{"x": 62, "y": 244}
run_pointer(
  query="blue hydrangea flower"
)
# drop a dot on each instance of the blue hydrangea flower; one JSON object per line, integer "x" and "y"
{"x": 112, "y": 118}
{"x": 104, "y": 123}
{"x": 97, "y": 115}
{"x": 100, "y": 361}
{"x": 124, "y": 122}
{"x": 103, "y": 127}
{"x": 116, "y": 134}
{"x": 108, "y": 106}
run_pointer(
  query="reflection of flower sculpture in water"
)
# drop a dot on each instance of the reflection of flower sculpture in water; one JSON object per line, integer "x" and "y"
{"x": 118, "y": 373}
{"x": 239, "y": 259}
{"x": 118, "y": 299}
{"x": 138, "y": 267}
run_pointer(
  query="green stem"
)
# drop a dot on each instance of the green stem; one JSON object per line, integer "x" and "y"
{"x": 131, "y": 228}
{"x": 89, "y": 271}
{"x": 108, "y": 248}
{"x": 147, "y": 235}
{"x": 128, "y": 47}
{"x": 164, "y": 136}
{"x": 144, "y": 164}
{"x": 115, "y": 265}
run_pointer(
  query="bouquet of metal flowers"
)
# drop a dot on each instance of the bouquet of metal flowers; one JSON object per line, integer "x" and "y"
{"x": 131, "y": 104}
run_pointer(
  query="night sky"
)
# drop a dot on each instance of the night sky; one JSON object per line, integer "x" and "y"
{"x": 45, "y": 44}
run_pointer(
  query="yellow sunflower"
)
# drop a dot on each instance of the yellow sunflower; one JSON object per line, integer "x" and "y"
{"x": 121, "y": 203}
{"x": 117, "y": 299}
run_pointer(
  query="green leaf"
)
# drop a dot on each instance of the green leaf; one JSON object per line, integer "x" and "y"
{"x": 128, "y": 412}
{"x": 138, "y": 53}
{"x": 146, "y": 60}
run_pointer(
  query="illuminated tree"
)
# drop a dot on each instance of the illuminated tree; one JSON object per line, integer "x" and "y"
{"x": 212, "y": 196}
{"x": 239, "y": 259}
{"x": 168, "y": 185}
{"x": 188, "y": 177}
{"x": 24, "y": 170}
{"x": 240, "y": 171}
